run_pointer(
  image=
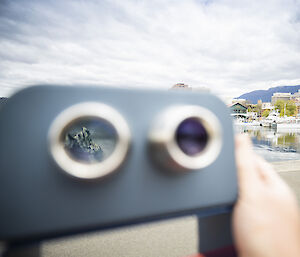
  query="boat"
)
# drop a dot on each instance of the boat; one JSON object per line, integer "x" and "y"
{"x": 291, "y": 125}
{"x": 271, "y": 121}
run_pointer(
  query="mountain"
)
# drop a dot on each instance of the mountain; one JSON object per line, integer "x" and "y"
{"x": 266, "y": 95}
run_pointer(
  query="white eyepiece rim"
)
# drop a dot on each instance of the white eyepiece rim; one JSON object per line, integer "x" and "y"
{"x": 82, "y": 111}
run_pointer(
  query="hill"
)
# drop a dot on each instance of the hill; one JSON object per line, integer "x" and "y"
{"x": 266, "y": 95}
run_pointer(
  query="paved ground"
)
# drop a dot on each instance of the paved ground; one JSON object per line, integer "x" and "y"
{"x": 290, "y": 172}
{"x": 287, "y": 166}
{"x": 172, "y": 238}
{"x": 164, "y": 239}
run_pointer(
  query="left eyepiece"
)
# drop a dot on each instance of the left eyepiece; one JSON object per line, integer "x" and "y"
{"x": 89, "y": 140}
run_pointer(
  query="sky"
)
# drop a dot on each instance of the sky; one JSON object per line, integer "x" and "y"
{"x": 230, "y": 47}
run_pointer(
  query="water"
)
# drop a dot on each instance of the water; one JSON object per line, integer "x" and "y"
{"x": 273, "y": 145}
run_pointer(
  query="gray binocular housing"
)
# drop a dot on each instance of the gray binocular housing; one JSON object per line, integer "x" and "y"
{"x": 75, "y": 159}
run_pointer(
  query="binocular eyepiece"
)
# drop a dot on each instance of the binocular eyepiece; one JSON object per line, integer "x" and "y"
{"x": 91, "y": 140}
{"x": 185, "y": 138}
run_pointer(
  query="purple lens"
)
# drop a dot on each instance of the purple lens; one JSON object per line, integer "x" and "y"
{"x": 191, "y": 136}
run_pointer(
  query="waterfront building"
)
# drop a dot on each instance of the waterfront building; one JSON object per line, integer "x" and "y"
{"x": 296, "y": 99}
{"x": 298, "y": 108}
{"x": 267, "y": 106}
{"x": 252, "y": 115}
{"x": 181, "y": 86}
{"x": 238, "y": 111}
{"x": 238, "y": 108}
{"x": 240, "y": 101}
{"x": 259, "y": 108}
{"x": 251, "y": 107}
{"x": 296, "y": 95}
{"x": 280, "y": 96}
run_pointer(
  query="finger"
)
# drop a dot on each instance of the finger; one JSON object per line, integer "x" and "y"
{"x": 267, "y": 172}
{"x": 248, "y": 174}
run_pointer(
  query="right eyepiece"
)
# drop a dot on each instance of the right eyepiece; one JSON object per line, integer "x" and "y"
{"x": 185, "y": 138}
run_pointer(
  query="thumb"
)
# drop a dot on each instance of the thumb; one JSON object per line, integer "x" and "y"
{"x": 247, "y": 172}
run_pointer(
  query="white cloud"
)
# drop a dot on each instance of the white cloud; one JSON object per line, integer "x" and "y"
{"x": 230, "y": 46}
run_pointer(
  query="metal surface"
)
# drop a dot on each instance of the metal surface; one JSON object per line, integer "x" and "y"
{"x": 215, "y": 232}
{"x": 39, "y": 201}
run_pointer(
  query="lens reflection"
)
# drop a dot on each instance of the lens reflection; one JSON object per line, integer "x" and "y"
{"x": 90, "y": 140}
{"x": 191, "y": 136}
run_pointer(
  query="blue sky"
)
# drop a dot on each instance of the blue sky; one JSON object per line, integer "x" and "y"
{"x": 229, "y": 46}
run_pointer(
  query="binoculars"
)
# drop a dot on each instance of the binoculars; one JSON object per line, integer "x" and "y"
{"x": 75, "y": 159}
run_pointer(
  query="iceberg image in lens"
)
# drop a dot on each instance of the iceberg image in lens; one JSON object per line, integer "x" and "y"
{"x": 90, "y": 140}
{"x": 191, "y": 136}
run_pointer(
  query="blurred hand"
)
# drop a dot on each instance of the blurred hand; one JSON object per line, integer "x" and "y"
{"x": 266, "y": 219}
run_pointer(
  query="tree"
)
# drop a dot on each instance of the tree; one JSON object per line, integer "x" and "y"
{"x": 290, "y": 108}
{"x": 259, "y": 108}
{"x": 286, "y": 108}
{"x": 279, "y": 105}
{"x": 266, "y": 113}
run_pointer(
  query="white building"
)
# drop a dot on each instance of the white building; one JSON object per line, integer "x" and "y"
{"x": 296, "y": 98}
{"x": 267, "y": 106}
{"x": 252, "y": 115}
{"x": 181, "y": 86}
{"x": 281, "y": 96}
